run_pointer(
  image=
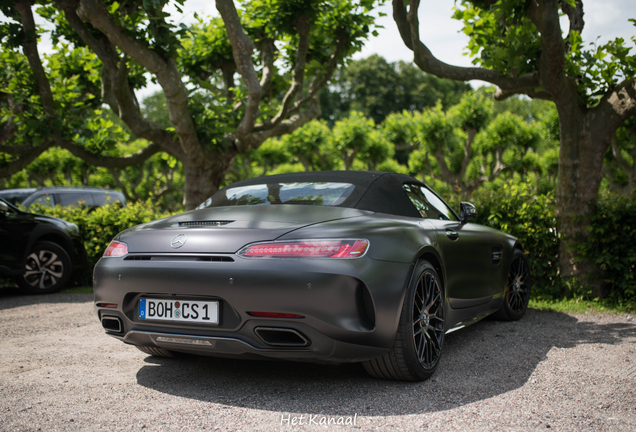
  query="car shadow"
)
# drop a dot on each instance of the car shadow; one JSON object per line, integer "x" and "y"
{"x": 466, "y": 373}
{"x": 12, "y": 297}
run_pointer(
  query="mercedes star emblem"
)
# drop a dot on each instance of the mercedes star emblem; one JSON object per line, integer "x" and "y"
{"x": 178, "y": 241}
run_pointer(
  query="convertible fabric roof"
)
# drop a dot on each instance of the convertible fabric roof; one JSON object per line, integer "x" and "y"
{"x": 375, "y": 191}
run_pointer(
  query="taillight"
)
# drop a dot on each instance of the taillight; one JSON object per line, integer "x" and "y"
{"x": 116, "y": 249}
{"x": 345, "y": 248}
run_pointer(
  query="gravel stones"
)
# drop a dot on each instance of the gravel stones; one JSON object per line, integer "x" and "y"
{"x": 59, "y": 371}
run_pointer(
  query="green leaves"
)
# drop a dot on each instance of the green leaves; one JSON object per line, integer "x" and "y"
{"x": 601, "y": 67}
{"x": 502, "y": 37}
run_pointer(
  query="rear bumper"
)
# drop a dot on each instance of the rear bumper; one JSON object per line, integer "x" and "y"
{"x": 350, "y": 307}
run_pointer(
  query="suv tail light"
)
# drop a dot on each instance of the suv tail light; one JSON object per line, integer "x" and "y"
{"x": 116, "y": 249}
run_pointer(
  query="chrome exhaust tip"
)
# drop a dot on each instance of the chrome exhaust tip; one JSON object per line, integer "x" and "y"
{"x": 282, "y": 337}
{"x": 112, "y": 324}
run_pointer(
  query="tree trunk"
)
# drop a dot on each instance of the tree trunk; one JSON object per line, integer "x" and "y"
{"x": 200, "y": 184}
{"x": 584, "y": 140}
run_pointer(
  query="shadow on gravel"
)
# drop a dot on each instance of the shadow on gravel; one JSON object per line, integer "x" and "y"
{"x": 11, "y": 297}
{"x": 485, "y": 360}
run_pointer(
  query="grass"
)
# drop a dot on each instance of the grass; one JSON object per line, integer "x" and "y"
{"x": 582, "y": 306}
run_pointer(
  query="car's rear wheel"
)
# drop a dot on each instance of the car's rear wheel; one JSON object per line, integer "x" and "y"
{"x": 518, "y": 287}
{"x": 418, "y": 344}
{"x": 157, "y": 352}
{"x": 47, "y": 269}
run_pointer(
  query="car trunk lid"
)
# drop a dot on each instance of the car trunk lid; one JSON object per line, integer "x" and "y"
{"x": 227, "y": 229}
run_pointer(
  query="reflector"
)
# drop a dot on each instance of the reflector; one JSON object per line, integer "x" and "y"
{"x": 274, "y": 315}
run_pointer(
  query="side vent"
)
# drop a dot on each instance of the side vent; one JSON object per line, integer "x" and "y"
{"x": 496, "y": 255}
{"x": 198, "y": 224}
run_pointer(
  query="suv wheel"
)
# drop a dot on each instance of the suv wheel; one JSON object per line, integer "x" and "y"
{"x": 47, "y": 269}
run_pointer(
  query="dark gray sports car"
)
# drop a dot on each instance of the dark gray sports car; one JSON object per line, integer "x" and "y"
{"x": 340, "y": 266}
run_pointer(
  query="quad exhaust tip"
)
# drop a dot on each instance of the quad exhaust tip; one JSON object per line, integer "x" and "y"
{"x": 112, "y": 324}
{"x": 282, "y": 337}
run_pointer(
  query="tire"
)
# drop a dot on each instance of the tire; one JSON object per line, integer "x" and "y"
{"x": 157, "y": 352}
{"x": 419, "y": 340}
{"x": 47, "y": 269}
{"x": 518, "y": 286}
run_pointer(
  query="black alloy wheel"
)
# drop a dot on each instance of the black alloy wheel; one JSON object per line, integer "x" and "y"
{"x": 518, "y": 286}
{"x": 420, "y": 338}
{"x": 47, "y": 269}
{"x": 428, "y": 320}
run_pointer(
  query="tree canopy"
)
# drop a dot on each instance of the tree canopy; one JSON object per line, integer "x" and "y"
{"x": 229, "y": 83}
{"x": 376, "y": 88}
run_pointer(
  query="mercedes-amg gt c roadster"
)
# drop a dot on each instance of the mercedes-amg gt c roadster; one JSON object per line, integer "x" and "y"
{"x": 331, "y": 266}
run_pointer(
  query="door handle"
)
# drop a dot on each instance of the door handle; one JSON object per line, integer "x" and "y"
{"x": 453, "y": 235}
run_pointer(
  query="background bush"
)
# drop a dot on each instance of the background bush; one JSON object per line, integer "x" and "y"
{"x": 99, "y": 225}
{"x": 611, "y": 244}
{"x": 517, "y": 209}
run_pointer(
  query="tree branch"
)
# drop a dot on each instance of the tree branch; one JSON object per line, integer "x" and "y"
{"x": 619, "y": 104}
{"x": 468, "y": 147}
{"x": 575, "y": 16}
{"x": 295, "y": 121}
{"x": 109, "y": 161}
{"x": 242, "y": 48}
{"x": 551, "y": 63}
{"x": 116, "y": 91}
{"x": 164, "y": 69}
{"x": 267, "y": 47}
{"x": 25, "y": 159}
{"x": 408, "y": 25}
{"x": 30, "y": 49}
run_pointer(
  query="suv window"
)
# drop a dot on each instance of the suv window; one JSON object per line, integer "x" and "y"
{"x": 76, "y": 198}
{"x": 46, "y": 200}
{"x": 102, "y": 198}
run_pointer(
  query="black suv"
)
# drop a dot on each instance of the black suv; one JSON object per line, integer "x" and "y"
{"x": 63, "y": 195}
{"x": 40, "y": 252}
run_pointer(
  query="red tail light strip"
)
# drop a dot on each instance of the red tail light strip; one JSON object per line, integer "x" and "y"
{"x": 346, "y": 248}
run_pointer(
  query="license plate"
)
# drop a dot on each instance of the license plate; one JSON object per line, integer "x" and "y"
{"x": 206, "y": 312}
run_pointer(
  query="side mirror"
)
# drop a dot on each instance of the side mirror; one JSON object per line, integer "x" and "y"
{"x": 467, "y": 212}
{"x": 4, "y": 208}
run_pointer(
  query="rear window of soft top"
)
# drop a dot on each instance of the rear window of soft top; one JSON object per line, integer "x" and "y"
{"x": 307, "y": 193}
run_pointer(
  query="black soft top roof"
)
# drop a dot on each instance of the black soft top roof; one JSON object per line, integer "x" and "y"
{"x": 375, "y": 191}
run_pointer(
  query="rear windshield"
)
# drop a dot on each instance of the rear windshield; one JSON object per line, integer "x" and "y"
{"x": 323, "y": 194}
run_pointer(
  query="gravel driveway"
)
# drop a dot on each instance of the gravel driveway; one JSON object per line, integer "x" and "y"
{"x": 59, "y": 371}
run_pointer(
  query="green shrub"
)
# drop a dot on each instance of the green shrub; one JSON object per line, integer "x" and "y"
{"x": 611, "y": 244}
{"x": 519, "y": 211}
{"x": 99, "y": 225}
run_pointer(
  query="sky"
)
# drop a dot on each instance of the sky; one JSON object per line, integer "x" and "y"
{"x": 607, "y": 18}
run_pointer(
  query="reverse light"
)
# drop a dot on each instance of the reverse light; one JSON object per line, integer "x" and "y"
{"x": 116, "y": 249}
{"x": 335, "y": 248}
